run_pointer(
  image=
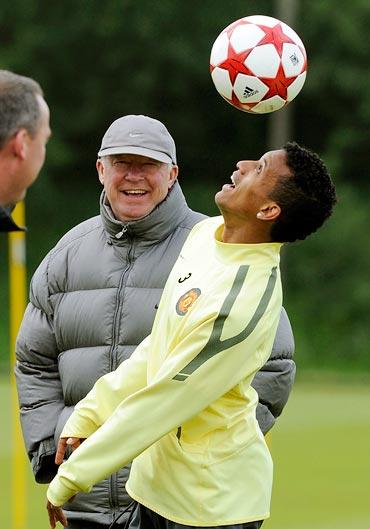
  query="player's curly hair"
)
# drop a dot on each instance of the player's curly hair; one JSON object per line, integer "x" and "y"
{"x": 306, "y": 198}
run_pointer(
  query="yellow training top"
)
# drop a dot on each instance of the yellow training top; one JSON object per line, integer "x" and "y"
{"x": 182, "y": 406}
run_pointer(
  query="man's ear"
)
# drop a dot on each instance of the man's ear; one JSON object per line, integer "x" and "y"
{"x": 269, "y": 212}
{"x": 100, "y": 169}
{"x": 19, "y": 144}
{"x": 173, "y": 175}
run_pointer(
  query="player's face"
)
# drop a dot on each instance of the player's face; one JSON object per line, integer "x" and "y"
{"x": 135, "y": 184}
{"x": 252, "y": 183}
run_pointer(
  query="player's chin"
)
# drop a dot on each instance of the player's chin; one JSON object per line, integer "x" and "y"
{"x": 220, "y": 198}
{"x": 223, "y": 193}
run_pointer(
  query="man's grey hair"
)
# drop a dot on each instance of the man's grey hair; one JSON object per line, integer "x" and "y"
{"x": 19, "y": 106}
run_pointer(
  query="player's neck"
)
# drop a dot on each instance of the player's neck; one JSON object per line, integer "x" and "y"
{"x": 244, "y": 234}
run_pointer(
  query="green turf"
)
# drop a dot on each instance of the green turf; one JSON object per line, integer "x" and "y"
{"x": 322, "y": 460}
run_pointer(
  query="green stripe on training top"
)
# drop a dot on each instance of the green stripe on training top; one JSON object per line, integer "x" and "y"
{"x": 214, "y": 344}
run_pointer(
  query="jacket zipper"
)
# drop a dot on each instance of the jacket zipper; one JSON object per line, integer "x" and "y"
{"x": 116, "y": 323}
{"x": 113, "y": 481}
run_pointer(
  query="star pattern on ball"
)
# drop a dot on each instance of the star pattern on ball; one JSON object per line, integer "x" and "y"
{"x": 234, "y": 63}
{"x": 229, "y": 30}
{"x": 278, "y": 85}
{"x": 275, "y": 36}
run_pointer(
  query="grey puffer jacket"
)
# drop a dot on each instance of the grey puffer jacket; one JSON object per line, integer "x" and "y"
{"x": 92, "y": 301}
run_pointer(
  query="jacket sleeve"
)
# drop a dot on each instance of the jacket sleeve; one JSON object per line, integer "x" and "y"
{"x": 38, "y": 383}
{"x": 193, "y": 374}
{"x": 274, "y": 381}
{"x": 108, "y": 392}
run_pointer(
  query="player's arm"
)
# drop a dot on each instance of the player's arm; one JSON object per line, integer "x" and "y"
{"x": 108, "y": 392}
{"x": 200, "y": 369}
{"x": 274, "y": 381}
{"x": 38, "y": 383}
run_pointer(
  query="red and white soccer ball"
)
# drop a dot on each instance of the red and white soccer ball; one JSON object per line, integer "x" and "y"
{"x": 258, "y": 64}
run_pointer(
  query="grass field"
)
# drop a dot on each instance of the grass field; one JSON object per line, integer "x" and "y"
{"x": 321, "y": 449}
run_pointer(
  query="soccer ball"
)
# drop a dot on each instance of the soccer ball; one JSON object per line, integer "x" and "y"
{"x": 258, "y": 64}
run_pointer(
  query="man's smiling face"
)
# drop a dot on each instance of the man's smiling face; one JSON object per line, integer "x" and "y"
{"x": 135, "y": 184}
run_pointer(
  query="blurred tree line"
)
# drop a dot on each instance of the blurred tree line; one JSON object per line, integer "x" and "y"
{"x": 99, "y": 59}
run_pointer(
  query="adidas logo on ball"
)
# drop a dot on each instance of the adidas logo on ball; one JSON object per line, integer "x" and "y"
{"x": 249, "y": 92}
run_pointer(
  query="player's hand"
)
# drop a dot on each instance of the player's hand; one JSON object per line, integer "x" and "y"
{"x": 56, "y": 514}
{"x": 64, "y": 442}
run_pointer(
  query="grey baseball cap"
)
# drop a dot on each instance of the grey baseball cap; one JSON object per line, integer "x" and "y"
{"x": 139, "y": 135}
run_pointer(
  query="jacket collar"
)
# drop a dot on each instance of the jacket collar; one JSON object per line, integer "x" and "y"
{"x": 154, "y": 227}
{"x": 6, "y": 221}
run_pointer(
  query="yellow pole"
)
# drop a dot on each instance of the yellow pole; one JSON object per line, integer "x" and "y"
{"x": 17, "y": 298}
